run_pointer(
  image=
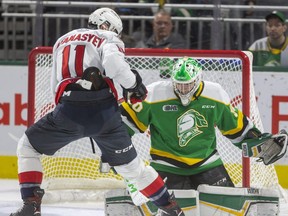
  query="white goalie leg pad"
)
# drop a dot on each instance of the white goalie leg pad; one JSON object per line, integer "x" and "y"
{"x": 188, "y": 200}
{"x": 207, "y": 201}
{"x": 28, "y": 157}
{"x": 118, "y": 202}
{"x": 227, "y": 201}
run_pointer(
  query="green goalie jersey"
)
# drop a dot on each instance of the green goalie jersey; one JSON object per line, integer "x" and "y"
{"x": 183, "y": 138}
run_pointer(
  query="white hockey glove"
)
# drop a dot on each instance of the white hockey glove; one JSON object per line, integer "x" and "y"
{"x": 268, "y": 148}
{"x": 137, "y": 197}
{"x": 137, "y": 93}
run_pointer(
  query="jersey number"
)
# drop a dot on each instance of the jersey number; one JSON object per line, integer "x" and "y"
{"x": 78, "y": 61}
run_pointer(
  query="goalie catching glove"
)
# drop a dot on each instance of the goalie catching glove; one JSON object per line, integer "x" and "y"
{"x": 137, "y": 93}
{"x": 267, "y": 147}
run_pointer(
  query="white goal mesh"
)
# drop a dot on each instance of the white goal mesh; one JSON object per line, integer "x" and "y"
{"x": 77, "y": 167}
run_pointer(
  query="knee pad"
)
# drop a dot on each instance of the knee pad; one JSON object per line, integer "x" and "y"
{"x": 136, "y": 172}
{"x": 25, "y": 149}
{"x": 28, "y": 157}
{"x": 131, "y": 170}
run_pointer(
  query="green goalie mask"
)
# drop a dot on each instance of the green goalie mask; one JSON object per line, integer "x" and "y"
{"x": 186, "y": 78}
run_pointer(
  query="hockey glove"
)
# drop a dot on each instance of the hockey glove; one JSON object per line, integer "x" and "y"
{"x": 268, "y": 148}
{"x": 136, "y": 94}
{"x": 92, "y": 79}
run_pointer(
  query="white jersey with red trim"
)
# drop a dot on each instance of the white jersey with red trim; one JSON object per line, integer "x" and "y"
{"x": 83, "y": 48}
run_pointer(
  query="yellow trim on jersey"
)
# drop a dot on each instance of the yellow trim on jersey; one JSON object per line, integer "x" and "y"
{"x": 214, "y": 99}
{"x": 194, "y": 97}
{"x": 160, "y": 101}
{"x": 132, "y": 114}
{"x": 189, "y": 161}
{"x": 198, "y": 92}
{"x": 239, "y": 125}
{"x": 277, "y": 51}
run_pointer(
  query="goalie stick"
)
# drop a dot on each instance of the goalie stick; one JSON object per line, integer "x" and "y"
{"x": 104, "y": 167}
{"x": 92, "y": 145}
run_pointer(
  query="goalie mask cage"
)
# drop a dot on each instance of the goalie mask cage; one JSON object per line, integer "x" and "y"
{"x": 76, "y": 166}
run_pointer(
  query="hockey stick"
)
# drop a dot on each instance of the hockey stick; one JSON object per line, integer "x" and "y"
{"x": 104, "y": 167}
{"x": 92, "y": 145}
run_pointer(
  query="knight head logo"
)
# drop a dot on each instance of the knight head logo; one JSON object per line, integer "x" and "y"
{"x": 188, "y": 126}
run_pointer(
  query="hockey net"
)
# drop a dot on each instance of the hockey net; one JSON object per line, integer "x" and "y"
{"x": 76, "y": 166}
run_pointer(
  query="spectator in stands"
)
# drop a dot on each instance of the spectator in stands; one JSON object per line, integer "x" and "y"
{"x": 128, "y": 41}
{"x": 133, "y": 41}
{"x": 272, "y": 50}
{"x": 162, "y": 36}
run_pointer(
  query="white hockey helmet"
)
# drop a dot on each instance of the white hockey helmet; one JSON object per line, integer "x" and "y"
{"x": 105, "y": 18}
{"x": 186, "y": 77}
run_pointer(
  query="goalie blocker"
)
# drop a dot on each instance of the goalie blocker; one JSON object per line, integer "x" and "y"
{"x": 267, "y": 147}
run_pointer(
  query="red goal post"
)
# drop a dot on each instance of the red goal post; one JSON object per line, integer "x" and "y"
{"x": 231, "y": 68}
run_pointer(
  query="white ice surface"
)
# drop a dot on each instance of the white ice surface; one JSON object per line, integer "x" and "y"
{"x": 10, "y": 201}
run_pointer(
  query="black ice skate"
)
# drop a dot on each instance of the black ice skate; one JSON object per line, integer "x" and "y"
{"x": 172, "y": 209}
{"x": 32, "y": 205}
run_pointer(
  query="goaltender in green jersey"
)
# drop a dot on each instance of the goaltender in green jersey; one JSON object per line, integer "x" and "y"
{"x": 181, "y": 115}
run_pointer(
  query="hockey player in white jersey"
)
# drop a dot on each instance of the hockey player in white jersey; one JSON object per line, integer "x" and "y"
{"x": 86, "y": 63}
